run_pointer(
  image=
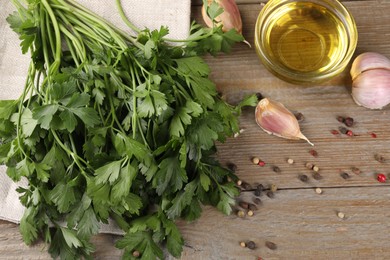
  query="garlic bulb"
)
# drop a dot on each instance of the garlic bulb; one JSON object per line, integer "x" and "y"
{"x": 274, "y": 118}
{"x": 370, "y": 74}
{"x": 230, "y": 18}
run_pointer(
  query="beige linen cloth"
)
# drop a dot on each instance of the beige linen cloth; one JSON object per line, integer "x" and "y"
{"x": 13, "y": 65}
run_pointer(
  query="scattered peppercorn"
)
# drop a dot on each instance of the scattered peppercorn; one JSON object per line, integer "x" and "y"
{"x": 335, "y": 132}
{"x": 341, "y": 215}
{"x": 349, "y": 133}
{"x": 255, "y": 160}
{"x": 317, "y": 176}
{"x": 381, "y": 177}
{"x": 340, "y": 119}
{"x": 270, "y": 194}
{"x": 316, "y": 168}
{"x": 259, "y": 96}
{"x": 303, "y": 178}
{"x": 309, "y": 166}
{"x": 259, "y": 190}
{"x": 252, "y": 207}
{"x": 313, "y": 152}
{"x": 299, "y": 116}
{"x": 379, "y": 158}
{"x": 344, "y": 175}
{"x": 261, "y": 163}
{"x": 273, "y": 188}
{"x": 290, "y": 161}
{"x": 136, "y": 254}
{"x": 257, "y": 193}
{"x": 246, "y": 186}
{"x": 260, "y": 187}
{"x": 276, "y": 169}
{"x": 250, "y": 213}
{"x": 251, "y": 245}
{"x": 318, "y": 190}
{"x": 242, "y": 244}
{"x": 355, "y": 170}
{"x": 349, "y": 121}
{"x": 373, "y": 135}
{"x": 257, "y": 201}
{"x": 239, "y": 182}
{"x": 241, "y": 213}
{"x": 232, "y": 167}
{"x": 270, "y": 245}
{"x": 343, "y": 130}
{"x": 243, "y": 204}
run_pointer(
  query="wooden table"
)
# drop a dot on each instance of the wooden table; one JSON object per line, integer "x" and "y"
{"x": 302, "y": 223}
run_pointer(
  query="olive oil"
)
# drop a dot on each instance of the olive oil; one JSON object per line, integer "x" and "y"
{"x": 305, "y": 39}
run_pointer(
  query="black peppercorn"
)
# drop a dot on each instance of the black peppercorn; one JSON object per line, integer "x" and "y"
{"x": 344, "y": 175}
{"x": 303, "y": 178}
{"x": 317, "y": 176}
{"x": 343, "y": 130}
{"x": 251, "y": 245}
{"x": 270, "y": 194}
{"x": 348, "y": 121}
{"x": 270, "y": 245}
{"x": 276, "y": 169}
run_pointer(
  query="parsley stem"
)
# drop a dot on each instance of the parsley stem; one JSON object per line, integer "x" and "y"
{"x": 124, "y": 17}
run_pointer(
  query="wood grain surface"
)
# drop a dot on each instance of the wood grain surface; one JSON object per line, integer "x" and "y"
{"x": 302, "y": 223}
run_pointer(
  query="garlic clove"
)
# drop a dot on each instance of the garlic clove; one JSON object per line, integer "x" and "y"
{"x": 230, "y": 18}
{"x": 371, "y": 89}
{"x": 274, "y": 118}
{"x": 368, "y": 61}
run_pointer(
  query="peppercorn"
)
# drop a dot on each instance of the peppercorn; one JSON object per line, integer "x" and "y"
{"x": 348, "y": 121}
{"x": 259, "y": 96}
{"x": 276, "y": 169}
{"x": 136, "y": 253}
{"x": 250, "y": 213}
{"x": 270, "y": 245}
{"x": 242, "y": 244}
{"x": 309, "y": 166}
{"x": 232, "y": 167}
{"x": 318, "y": 190}
{"x": 257, "y": 201}
{"x": 252, "y": 207}
{"x": 340, "y": 119}
{"x": 239, "y": 182}
{"x": 255, "y": 160}
{"x": 246, "y": 186}
{"x": 251, "y": 245}
{"x": 270, "y": 194}
{"x": 303, "y": 178}
{"x": 335, "y": 132}
{"x": 299, "y": 116}
{"x": 313, "y": 152}
{"x": 241, "y": 213}
{"x": 379, "y": 158}
{"x": 349, "y": 133}
{"x": 341, "y": 215}
{"x": 261, "y": 163}
{"x": 344, "y": 175}
{"x": 317, "y": 176}
{"x": 343, "y": 130}
{"x": 355, "y": 170}
{"x": 316, "y": 168}
{"x": 260, "y": 187}
{"x": 243, "y": 204}
{"x": 381, "y": 177}
{"x": 290, "y": 161}
{"x": 257, "y": 192}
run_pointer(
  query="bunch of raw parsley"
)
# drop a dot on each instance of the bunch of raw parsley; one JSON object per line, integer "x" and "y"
{"x": 114, "y": 126}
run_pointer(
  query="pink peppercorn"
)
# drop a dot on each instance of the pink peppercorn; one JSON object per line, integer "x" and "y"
{"x": 349, "y": 133}
{"x": 261, "y": 163}
{"x": 381, "y": 177}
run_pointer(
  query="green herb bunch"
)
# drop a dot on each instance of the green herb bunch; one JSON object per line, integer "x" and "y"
{"x": 113, "y": 126}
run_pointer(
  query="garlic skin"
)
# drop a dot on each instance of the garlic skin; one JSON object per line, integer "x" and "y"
{"x": 372, "y": 89}
{"x": 230, "y": 18}
{"x": 368, "y": 61}
{"x": 370, "y": 74}
{"x": 274, "y": 118}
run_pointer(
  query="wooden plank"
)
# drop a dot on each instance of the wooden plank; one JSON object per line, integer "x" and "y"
{"x": 241, "y": 73}
{"x": 300, "y": 222}
{"x": 303, "y": 225}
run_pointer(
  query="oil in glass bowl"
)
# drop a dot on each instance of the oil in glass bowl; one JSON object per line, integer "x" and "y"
{"x": 305, "y": 41}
